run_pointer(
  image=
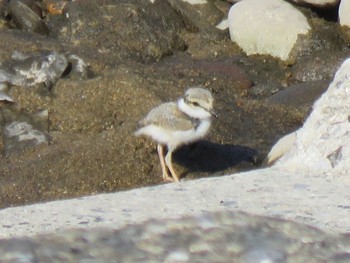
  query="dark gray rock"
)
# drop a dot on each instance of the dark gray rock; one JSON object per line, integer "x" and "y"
{"x": 120, "y": 29}
{"x": 26, "y": 15}
{"x": 321, "y": 67}
{"x": 300, "y": 96}
{"x": 201, "y": 18}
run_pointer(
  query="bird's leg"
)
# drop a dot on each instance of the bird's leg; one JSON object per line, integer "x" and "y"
{"x": 168, "y": 162}
{"x": 165, "y": 173}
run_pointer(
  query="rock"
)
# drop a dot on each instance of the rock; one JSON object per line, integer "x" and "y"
{"x": 5, "y": 98}
{"x": 300, "y": 96}
{"x": 119, "y": 31}
{"x": 19, "y": 136}
{"x": 26, "y": 15}
{"x": 22, "y": 130}
{"x": 323, "y": 143}
{"x": 271, "y": 27}
{"x": 344, "y": 19}
{"x": 212, "y": 237}
{"x": 212, "y": 68}
{"x": 29, "y": 70}
{"x": 318, "y": 67}
{"x": 44, "y": 68}
{"x": 25, "y": 42}
{"x": 201, "y": 15}
{"x": 317, "y": 3}
{"x": 344, "y": 10}
{"x": 281, "y": 147}
{"x": 78, "y": 69}
{"x": 263, "y": 90}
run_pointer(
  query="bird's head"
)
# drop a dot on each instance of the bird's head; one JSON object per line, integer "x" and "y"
{"x": 199, "y": 103}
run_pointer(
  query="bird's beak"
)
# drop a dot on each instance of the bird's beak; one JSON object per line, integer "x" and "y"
{"x": 213, "y": 113}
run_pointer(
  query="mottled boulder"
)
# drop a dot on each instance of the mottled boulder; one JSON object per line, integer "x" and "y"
{"x": 323, "y": 143}
{"x": 30, "y": 70}
{"x": 271, "y": 27}
{"x": 22, "y": 135}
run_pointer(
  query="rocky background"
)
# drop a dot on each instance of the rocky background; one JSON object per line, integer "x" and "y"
{"x": 76, "y": 76}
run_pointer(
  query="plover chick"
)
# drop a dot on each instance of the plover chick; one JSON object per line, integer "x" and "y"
{"x": 173, "y": 124}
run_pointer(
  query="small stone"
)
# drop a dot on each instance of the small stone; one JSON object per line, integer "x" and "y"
{"x": 5, "y": 98}
{"x": 22, "y": 135}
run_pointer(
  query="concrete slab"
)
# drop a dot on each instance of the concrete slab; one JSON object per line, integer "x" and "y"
{"x": 318, "y": 200}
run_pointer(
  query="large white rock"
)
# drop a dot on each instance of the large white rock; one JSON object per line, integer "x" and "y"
{"x": 323, "y": 143}
{"x": 344, "y": 13}
{"x": 267, "y": 27}
{"x": 317, "y": 3}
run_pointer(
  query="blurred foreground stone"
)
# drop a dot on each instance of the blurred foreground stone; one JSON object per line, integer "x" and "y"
{"x": 214, "y": 237}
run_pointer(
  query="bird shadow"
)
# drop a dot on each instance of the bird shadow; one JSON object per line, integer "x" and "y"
{"x": 205, "y": 156}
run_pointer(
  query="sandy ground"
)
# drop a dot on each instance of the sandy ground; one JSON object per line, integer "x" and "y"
{"x": 317, "y": 200}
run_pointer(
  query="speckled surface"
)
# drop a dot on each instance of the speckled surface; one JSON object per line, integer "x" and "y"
{"x": 317, "y": 200}
{"x": 213, "y": 237}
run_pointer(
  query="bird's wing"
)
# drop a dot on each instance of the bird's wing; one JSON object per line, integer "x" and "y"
{"x": 169, "y": 117}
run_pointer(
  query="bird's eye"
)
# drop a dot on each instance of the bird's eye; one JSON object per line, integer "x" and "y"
{"x": 195, "y": 104}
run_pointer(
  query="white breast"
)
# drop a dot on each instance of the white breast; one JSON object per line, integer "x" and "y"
{"x": 175, "y": 138}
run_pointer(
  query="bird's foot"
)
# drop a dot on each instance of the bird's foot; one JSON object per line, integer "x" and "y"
{"x": 169, "y": 179}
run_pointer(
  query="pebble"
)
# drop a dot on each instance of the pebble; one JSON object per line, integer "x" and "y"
{"x": 22, "y": 135}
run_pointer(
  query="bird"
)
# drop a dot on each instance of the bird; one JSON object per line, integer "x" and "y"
{"x": 173, "y": 124}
